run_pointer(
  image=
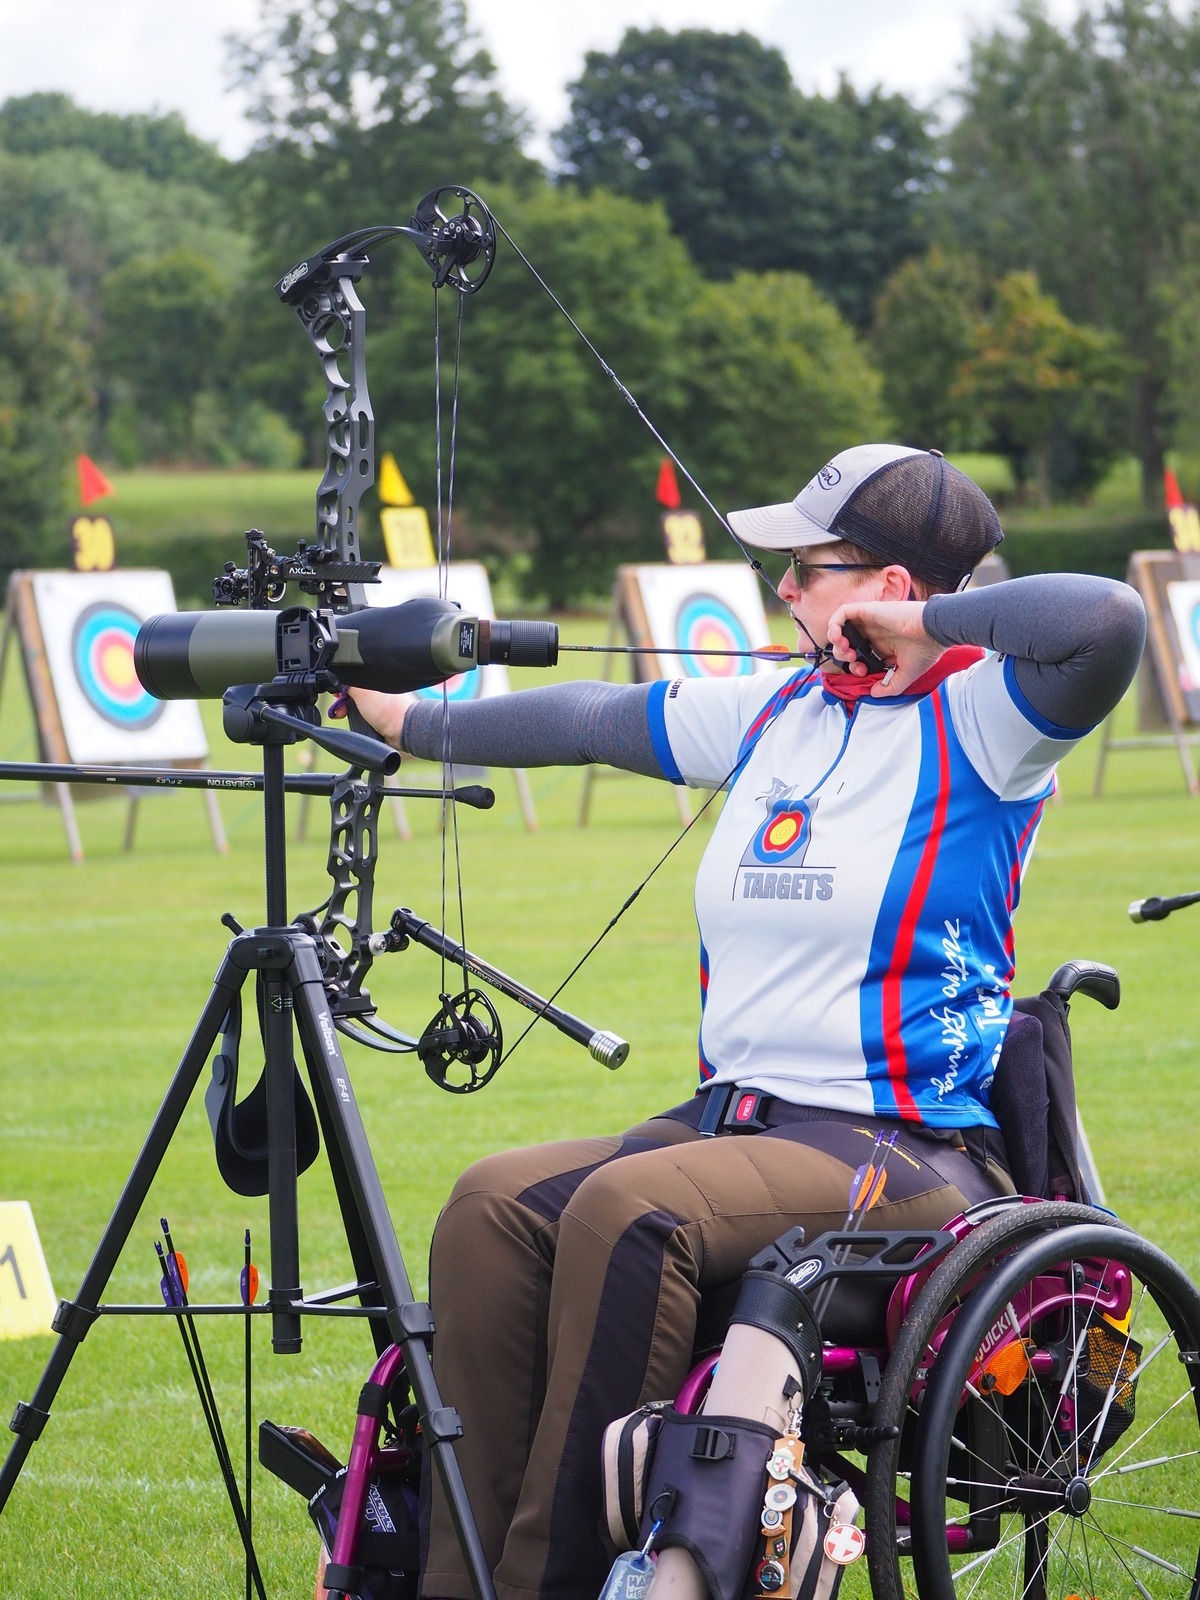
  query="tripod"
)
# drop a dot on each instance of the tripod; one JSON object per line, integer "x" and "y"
{"x": 285, "y": 961}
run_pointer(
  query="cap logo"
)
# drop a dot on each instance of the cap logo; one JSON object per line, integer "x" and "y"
{"x": 829, "y": 477}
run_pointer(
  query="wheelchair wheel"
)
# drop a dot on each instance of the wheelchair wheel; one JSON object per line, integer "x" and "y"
{"x": 1059, "y": 1438}
{"x": 886, "y": 1497}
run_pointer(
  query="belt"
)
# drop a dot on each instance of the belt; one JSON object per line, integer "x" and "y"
{"x": 730, "y": 1109}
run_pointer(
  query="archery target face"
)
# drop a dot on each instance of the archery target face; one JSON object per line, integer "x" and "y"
{"x": 467, "y": 585}
{"x": 1184, "y": 598}
{"x": 715, "y": 606}
{"x": 89, "y": 621}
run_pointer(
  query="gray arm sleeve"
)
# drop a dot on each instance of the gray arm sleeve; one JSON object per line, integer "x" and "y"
{"x": 567, "y": 724}
{"x": 1075, "y": 640}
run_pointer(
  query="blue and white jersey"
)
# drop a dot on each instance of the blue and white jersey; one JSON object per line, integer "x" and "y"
{"x": 855, "y": 901}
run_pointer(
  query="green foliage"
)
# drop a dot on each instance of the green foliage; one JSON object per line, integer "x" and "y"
{"x": 69, "y": 210}
{"x": 1076, "y": 156}
{"x": 365, "y": 105}
{"x": 775, "y": 384}
{"x": 1049, "y": 391}
{"x": 159, "y": 146}
{"x": 44, "y": 399}
{"x": 923, "y": 336}
{"x": 161, "y": 342}
{"x": 755, "y": 176}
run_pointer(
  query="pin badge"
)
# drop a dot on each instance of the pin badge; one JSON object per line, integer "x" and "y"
{"x": 771, "y": 1519}
{"x": 844, "y": 1543}
{"x": 780, "y": 1496}
{"x": 771, "y": 1576}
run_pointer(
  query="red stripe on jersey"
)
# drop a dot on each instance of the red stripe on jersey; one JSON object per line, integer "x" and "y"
{"x": 893, "y": 1041}
{"x": 1014, "y": 878}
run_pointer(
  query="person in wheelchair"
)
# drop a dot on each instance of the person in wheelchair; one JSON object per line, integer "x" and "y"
{"x": 855, "y": 908}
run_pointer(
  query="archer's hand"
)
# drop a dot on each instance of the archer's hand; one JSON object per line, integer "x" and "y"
{"x": 384, "y": 712}
{"x": 895, "y": 630}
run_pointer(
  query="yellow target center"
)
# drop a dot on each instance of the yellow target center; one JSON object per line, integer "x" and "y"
{"x": 116, "y": 664}
{"x": 780, "y": 834}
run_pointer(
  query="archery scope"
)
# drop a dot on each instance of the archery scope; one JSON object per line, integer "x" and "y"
{"x": 189, "y": 655}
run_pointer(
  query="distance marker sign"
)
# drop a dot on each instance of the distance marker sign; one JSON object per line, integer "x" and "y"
{"x": 27, "y": 1302}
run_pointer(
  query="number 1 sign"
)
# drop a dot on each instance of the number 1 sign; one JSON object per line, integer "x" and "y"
{"x": 27, "y": 1300}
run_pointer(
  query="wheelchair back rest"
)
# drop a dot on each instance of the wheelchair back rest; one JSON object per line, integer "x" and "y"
{"x": 1033, "y": 1093}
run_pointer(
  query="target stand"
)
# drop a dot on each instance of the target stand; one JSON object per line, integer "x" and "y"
{"x": 1168, "y": 680}
{"x": 716, "y": 604}
{"x": 76, "y": 633}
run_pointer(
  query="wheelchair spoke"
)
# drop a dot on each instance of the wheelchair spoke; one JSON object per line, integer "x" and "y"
{"x": 1140, "y": 1466}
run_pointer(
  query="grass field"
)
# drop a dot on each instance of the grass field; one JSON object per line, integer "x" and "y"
{"x": 107, "y": 966}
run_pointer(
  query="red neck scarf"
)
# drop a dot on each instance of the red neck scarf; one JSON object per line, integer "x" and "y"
{"x": 847, "y": 688}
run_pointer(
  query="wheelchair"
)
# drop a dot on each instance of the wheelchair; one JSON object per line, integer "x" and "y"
{"x": 1013, "y": 1399}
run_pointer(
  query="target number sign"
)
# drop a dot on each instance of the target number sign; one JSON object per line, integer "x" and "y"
{"x": 715, "y": 605}
{"x": 26, "y": 1296}
{"x": 89, "y": 621}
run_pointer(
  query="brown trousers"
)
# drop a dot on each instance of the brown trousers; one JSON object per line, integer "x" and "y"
{"x": 565, "y": 1280}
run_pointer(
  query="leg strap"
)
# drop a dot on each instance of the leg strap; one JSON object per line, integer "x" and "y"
{"x": 706, "y": 1484}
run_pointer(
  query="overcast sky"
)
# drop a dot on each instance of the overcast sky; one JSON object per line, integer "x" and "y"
{"x": 143, "y": 55}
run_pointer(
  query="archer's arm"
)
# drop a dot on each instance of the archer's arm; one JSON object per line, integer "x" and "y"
{"x": 563, "y": 725}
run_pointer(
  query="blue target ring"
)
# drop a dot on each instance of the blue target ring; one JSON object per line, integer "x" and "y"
{"x": 463, "y": 686}
{"x": 102, "y": 658}
{"x": 703, "y": 622}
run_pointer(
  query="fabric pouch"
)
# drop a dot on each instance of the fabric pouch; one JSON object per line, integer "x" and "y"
{"x": 628, "y": 1447}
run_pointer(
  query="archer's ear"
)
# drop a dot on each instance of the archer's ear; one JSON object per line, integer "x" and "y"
{"x": 897, "y": 583}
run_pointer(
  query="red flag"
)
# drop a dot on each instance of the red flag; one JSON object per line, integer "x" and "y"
{"x": 1172, "y": 490}
{"x": 93, "y": 485}
{"x": 667, "y": 494}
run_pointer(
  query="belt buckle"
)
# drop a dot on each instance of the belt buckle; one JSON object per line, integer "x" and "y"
{"x": 746, "y": 1112}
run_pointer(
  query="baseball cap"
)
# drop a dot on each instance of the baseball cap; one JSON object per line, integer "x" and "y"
{"x": 903, "y": 505}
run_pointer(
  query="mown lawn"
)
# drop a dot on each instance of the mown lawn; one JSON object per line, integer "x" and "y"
{"x": 108, "y": 964}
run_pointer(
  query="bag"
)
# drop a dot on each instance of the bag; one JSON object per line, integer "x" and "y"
{"x": 626, "y": 1451}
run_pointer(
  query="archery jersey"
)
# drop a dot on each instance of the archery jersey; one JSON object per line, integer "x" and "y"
{"x": 855, "y": 901}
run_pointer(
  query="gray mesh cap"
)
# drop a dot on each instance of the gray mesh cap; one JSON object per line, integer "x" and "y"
{"x": 903, "y": 505}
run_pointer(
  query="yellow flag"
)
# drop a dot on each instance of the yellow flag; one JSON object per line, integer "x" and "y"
{"x": 393, "y": 490}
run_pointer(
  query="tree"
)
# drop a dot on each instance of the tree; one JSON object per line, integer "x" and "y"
{"x": 161, "y": 345}
{"x": 365, "y": 105}
{"x": 159, "y": 146}
{"x": 44, "y": 397}
{"x": 1049, "y": 391}
{"x": 1077, "y": 155}
{"x": 775, "y": 384}
{"x": 755, "y": 176}
{"x": 923, "y": 335}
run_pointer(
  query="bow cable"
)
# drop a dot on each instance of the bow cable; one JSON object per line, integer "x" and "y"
{"x": 444, "y": 533}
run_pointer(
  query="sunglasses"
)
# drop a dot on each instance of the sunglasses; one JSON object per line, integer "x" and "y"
{"x": 802, "y": 569}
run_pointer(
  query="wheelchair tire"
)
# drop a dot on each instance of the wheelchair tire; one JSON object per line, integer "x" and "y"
{"x": 889, "y": 1544}
{"x": 1060, "y": 1432}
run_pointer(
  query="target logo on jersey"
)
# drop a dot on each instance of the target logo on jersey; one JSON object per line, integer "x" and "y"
{"x": 785, "y": 833}
{"x": 769, "y": 868}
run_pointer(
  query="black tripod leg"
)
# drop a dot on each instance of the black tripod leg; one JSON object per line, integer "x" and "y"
{"x": 75, "y": 1317}
{"x": 408, "y": 1321}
